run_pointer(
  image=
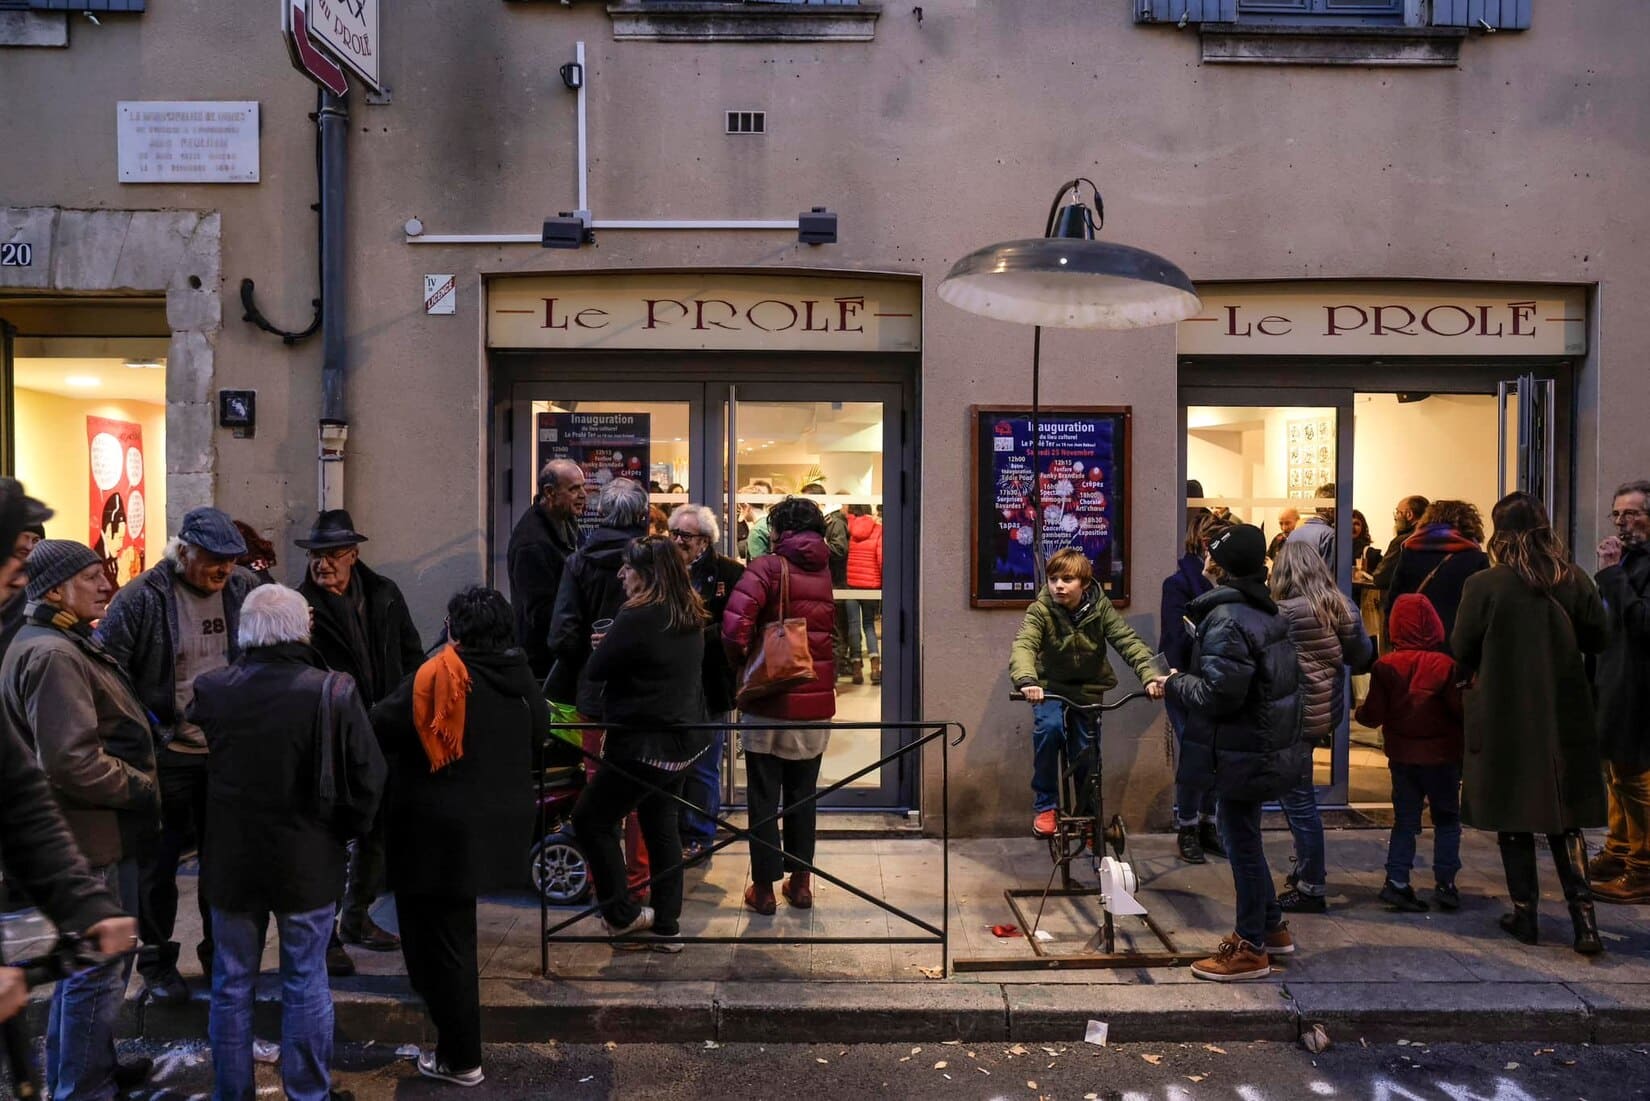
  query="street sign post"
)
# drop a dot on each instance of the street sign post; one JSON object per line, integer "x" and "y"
{"x": 348, "y": 30}
{"x": 307, "y": 58}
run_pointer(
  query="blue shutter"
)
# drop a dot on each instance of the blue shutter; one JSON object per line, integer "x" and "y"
{"x": 1193, "y": 11}
{"x": 87, "y": 5}
{"x": 1503, "y": 15}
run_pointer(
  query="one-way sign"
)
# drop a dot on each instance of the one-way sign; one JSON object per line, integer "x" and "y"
{"x": 307, "y": 58}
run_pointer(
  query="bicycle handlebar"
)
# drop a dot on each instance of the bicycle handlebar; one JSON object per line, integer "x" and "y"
{"x": 1091, "y": 708}
{"x": 69, "y": 955}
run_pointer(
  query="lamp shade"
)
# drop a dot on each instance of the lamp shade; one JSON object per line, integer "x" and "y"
{"x": 1071, "y": 283}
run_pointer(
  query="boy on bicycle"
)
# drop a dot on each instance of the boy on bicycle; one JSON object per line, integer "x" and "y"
{"x": 1061, "y": 650}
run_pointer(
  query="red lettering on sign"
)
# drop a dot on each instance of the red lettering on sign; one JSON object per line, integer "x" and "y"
{"x": 1404, "y": 328}
{"x": 1426, "y": 321}
{"x": 1274, "y": 320}
{"x": 700, "y": 322}
{"x": 847, "y": 308}
{"x": 1522, "y": 312}
{"x": 750, "y": 315}
{"x": 1334, "y": 327}
{"x": 550, "y": 316}
{"x": 1484, "y": 322}
{"x": 579, "y": 318}
{"x": 1232, "y": 323}
{"x": 808, "y": 326}
{"x": 653, "y": 304}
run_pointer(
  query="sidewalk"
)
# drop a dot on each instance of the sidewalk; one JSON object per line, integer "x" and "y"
{"x": 1359, "y": 969}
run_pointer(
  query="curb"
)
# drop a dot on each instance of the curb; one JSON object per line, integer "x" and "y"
{"x": 383, "y": 1011}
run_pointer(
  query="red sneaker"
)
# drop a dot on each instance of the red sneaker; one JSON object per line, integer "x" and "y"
{"x": 1044, "y": 824}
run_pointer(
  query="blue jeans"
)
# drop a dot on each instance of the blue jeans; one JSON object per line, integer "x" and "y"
{"x": 306, "y": 1001}
{"x": 1440, "y": 787}
{"x": 1049, "y": 735}
{"x": 862, "y": 616}
{"x": 702, "y": 786}
{"x": 1192, "y": 805}
{"x": 1257, "y": 902}
{"x": 1300, "y": 807}
{"x": 80, "y": 1028}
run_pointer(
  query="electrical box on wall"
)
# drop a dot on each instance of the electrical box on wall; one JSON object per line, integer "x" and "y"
{"x": 238, "y": 410}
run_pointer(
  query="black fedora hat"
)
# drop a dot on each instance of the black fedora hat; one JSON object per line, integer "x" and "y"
{"x": 332, "y": 528}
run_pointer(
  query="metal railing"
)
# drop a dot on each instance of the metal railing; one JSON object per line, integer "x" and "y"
{"x": 925, "y": 733}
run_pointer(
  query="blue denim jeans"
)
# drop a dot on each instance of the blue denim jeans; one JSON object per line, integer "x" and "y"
{"x": 1049, "y": 734}
{"x": 1257, "y": 902}
{"x": 80, "y": 1027}
{"x": 862, "y": 618}
{"x": 702, "y": 786}
{"x": 306, "y": 1001}
{"x": 1440, "y": 787}
{"x": 1300, "y": 807}
{"x": 1192, "y": 805}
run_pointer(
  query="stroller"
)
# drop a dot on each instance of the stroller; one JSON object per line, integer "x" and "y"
{"x": 560, "y": 873}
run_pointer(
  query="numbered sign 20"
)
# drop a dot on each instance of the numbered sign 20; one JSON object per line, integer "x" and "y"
{"x": 16, "y": 254}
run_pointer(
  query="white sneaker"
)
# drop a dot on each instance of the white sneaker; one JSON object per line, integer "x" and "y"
{"x": 431, "y": 1067}
{"x": 643, "y": 922}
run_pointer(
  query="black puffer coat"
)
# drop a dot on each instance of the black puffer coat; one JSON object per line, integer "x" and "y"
{"x": 1242, "y": 697}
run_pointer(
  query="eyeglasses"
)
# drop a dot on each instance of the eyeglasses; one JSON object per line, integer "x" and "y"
{"x": 1618, "y": 515}
{"x": 330, "y": 554}
{"x": 686, "y": 536}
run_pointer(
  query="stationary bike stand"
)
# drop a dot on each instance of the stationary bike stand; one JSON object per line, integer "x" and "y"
{"x": 1116, "y": 882}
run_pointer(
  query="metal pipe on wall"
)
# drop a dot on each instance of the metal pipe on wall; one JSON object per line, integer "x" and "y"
{"x": 334, "y": 426}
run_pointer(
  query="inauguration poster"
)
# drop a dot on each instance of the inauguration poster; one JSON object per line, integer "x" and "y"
{"x": 119, "y": 512}
{"x": 605, "y": 445}
{"x": 1083, "y": 457}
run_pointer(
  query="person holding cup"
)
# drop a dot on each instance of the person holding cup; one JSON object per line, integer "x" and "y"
{"x": 1061, "y": 649}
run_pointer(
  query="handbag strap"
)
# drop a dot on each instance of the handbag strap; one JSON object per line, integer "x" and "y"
{"x": 784, "y": 589}
{"x": 1427, "y": 580}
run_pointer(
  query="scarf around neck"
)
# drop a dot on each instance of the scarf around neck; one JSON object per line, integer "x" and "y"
{"x": 441, "y": 688}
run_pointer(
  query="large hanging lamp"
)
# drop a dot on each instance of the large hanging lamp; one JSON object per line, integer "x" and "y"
{"x": 1068, "y": 280}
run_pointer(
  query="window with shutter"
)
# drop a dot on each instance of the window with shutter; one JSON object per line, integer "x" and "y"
{"x": 99, "y": 6}
{"x": 1501, "y": 15}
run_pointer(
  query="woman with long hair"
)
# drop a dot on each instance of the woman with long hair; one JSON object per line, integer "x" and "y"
{"x": 1533, "y": 763}
{"x": 782, "y": 766}
{"x": 649, "y": 666}
{"x": 1446, "y": 549}
{"x": 1328, "y": 635}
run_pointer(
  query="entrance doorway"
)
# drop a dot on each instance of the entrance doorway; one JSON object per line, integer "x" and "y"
{"x": 1353, "y": 450}
{"x": 738, "y": 436}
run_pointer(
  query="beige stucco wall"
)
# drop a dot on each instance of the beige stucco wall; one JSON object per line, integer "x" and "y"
{"x": 1526, "y": 163}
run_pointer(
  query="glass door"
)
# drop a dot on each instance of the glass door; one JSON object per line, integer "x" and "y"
{"x": 1528, "y": 419}
{"x": 740, "y": 447}
{"x": 1280, "y": 459}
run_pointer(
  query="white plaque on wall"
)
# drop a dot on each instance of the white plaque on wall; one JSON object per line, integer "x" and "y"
{"x": 188, "y": 142}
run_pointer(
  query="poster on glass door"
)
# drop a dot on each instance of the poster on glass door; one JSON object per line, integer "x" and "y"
{"x": 1082, "y": 463}
{"x": 605, "y": 445}
{"x": 118, "y": 511}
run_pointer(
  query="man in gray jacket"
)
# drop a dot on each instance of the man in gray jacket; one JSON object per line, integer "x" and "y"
{"x": 1318, "y": 529}
{"x": 171, "y": 624}
{"x": 72, "y": 703}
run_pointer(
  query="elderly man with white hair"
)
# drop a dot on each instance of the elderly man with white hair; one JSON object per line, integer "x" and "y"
{"x": 294, "y": 771}
{"x": 713, "y": 574}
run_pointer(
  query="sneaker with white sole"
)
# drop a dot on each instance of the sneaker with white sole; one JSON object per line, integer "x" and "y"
{"x": 651, "y": 942}
{"x": 1236, "y": 960}
{"x": 1280, "y": 941}
{"x": 431, "y": 1067}
{"x": 642, "y": 922}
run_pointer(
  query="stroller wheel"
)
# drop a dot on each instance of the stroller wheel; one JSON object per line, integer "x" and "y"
{"x": 560, "y": 873}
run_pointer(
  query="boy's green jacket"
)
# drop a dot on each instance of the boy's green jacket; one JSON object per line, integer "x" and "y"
{"x": 1065, "y": 652}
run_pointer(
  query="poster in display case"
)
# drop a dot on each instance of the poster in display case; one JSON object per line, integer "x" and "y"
{"x": 1083, "y": 461}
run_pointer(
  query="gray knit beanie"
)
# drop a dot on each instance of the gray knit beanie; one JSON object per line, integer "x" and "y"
{"x": 54, "y": 561}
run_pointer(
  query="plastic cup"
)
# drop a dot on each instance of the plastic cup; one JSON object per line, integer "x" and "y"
{"x": 602, "y": 626}
{"x": 1159, "y": 667}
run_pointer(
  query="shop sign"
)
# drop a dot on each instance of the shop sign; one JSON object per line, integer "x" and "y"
{"x": 1083, "y": 467}
{"x": 1386, "y": 319}
{"x": 732, "y": 312}
{"x": 440, "y": 294}
{"x": 187, "y": 142}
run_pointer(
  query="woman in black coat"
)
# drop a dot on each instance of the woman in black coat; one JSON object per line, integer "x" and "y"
{"x": 459, "y": 738}
{"x": 1533, "y": 763}
{"x": 650, "y": 666}
{"x": 1436, "y": 561}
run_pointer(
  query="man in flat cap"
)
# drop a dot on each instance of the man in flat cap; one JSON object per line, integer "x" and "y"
{"x": 363, "y": 628}
{"x": 175, "y": 621}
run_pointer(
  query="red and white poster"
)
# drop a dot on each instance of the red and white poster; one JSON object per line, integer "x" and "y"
{"x": 118, "y": 508}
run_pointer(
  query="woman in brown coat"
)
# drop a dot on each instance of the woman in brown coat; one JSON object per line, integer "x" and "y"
{"x": 1532, "y": 763}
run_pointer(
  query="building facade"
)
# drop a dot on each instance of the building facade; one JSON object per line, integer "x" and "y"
{"x": 1413, "y": 225}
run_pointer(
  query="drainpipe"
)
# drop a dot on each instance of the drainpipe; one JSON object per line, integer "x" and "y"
{"x": 334, "y": 427}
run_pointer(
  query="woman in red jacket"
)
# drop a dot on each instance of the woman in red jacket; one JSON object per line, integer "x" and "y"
{"x": 785, "y": 762}
{"x": 864, "y": 572}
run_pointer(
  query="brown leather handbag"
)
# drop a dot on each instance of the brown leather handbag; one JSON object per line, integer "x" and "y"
{"x": 780, "y": 658}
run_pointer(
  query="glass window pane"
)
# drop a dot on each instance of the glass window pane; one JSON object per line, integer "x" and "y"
{"x": 645, "y": 440}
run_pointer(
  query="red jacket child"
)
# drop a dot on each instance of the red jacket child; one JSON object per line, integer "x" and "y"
{"x": 1414, "y": 694}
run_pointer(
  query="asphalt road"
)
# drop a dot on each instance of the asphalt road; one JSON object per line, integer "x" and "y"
{"x": 1130, "y": 1072}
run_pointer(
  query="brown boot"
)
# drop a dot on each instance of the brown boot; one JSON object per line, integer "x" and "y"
{"x": 1605, "y": 865}
{"x": 798, "y": 892}
{"x": 759, "y": 897}
{"x": 1628, "y": 889}
{"x": 856, "y": 671}
{"x": 876, "y": 670}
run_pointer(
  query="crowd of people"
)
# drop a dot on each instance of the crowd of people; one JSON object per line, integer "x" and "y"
{"x": 317, "y": 756}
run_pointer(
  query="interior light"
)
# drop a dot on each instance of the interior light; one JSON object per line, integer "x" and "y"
{"x": 84, "y": 382}
{"x": 146, "y": 364}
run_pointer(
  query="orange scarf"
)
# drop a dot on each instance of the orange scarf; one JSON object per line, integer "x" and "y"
{"x": 440, "y": 689}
